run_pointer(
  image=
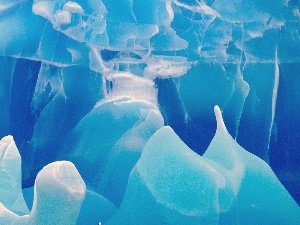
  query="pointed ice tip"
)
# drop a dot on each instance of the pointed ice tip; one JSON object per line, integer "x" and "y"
{"x": 7, "y": 138}
{"x": 220, "y": 122}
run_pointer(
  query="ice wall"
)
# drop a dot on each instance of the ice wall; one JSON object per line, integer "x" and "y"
{"x": 92, "y": 81}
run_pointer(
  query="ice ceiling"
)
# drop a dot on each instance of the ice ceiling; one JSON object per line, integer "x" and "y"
{"x": 108, "y": 112}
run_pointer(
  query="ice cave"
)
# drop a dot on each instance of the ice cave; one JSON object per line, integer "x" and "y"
{"x": 143, "y": 112}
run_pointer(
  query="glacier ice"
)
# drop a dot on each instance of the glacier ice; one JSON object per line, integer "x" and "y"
{"x": 168, "y": 184}
{"x": 253, "y": 182}
{"x": 92, "y": 84}
{"x": 58, "y": 188}
{"x": 106, "y": 159}
{"x": 10, "y": 167}
{"x": 171, "y": 184}
{"x": 94, "y": 207}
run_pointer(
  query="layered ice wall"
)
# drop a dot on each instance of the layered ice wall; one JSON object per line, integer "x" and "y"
{"x": 94, "y": 83}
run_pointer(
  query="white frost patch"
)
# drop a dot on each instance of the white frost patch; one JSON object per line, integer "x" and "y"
{"x": 73, "y": 7}
{"x": 43, "y": 8}
{"x": 62, "y": 17}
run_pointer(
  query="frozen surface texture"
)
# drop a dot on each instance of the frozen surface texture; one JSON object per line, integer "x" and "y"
{"x": 224, "y": 186}
{"x": 106, "y": 159}
{"x": 10, "y": 174}
{"x": 93, "y": 84}
{"x": 58, "y": 191}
